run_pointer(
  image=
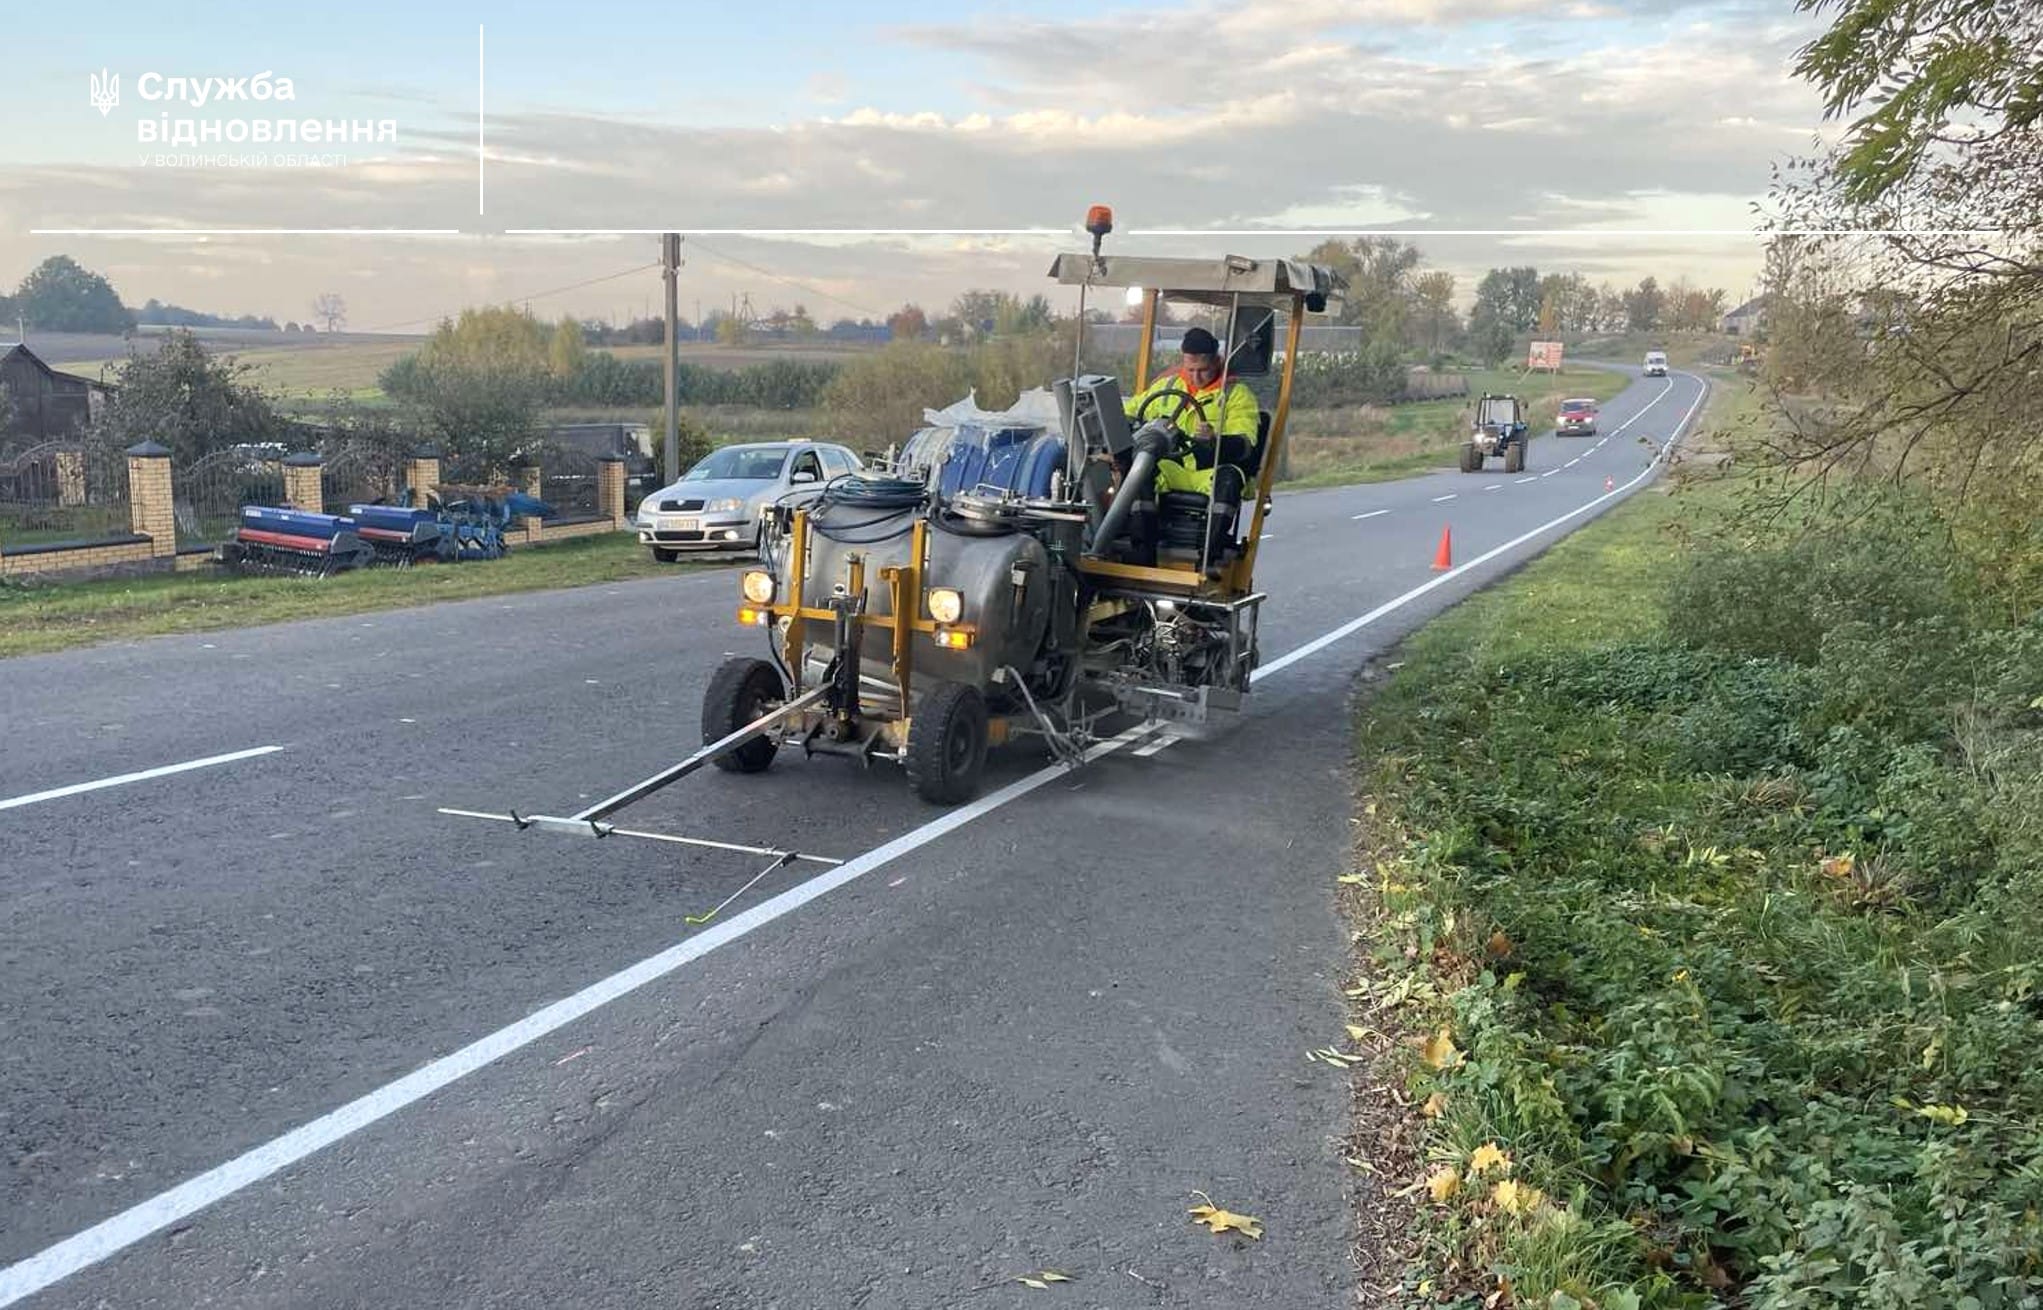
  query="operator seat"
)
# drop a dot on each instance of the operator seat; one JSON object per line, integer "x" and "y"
{"x": 1181, "y": 515}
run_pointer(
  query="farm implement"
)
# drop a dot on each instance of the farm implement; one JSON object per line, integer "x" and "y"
{"x": 306, "y": 544}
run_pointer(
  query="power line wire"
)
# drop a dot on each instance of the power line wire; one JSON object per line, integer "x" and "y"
{"x": 535, "y": 295}
{"x": 817, "y": 292}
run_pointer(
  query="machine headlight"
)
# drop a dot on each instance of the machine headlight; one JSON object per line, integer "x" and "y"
{"x": 758, "y": 586}
{"x": 945, "y": 605}
{"x": 728, "y": 505}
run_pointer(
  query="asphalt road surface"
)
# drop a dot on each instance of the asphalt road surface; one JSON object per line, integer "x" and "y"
{"x": 274, "y": 1032}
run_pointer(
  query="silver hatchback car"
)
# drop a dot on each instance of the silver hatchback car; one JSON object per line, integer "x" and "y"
{"x": 716, "y": 506}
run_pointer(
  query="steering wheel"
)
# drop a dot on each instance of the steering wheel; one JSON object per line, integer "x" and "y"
{"x": 1184, "y": 398}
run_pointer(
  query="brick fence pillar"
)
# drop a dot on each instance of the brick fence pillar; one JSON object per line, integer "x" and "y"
{"x": 422, "y": 475}
{"x": 530, "y": 480}
{"x": 152, "y": 509}
{"x": 302, "y": 489}
{"x": 70, "y": 477}
{"x": 610, "y": 488}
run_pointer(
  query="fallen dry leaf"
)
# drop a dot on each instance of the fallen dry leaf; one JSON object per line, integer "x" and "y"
{"x": 1839, "y": 866}
{"x": 1435, "y": 1106}
{"x": 1489, "y": 1156}
{"x": 1444, "y": 1183}
{"x": 1516, "y": 1198}
{"x": 1499, "y": 944}
{"x": 1222, "y": 1221}
{"x": 1440, "y": 1052}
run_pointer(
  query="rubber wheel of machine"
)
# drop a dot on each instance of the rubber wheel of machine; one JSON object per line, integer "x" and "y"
{"x": 1471, "y": 459}
{"x": 947, "y": 744}
{"x": 739, "y": 692}
{"x": 1514, "y": 458}
{"x": 665, "y": 556}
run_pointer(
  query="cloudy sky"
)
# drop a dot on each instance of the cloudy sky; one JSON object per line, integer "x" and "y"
{"x": 1581, "y": 122}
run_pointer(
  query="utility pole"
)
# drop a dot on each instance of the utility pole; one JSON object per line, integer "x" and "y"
{"x": 670, "y": 270}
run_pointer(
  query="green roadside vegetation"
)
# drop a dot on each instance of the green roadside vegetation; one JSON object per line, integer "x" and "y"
{"x": 1701, "y": 881}
{"x": 1339, "y": 445}
{"x": 38, "y": 616}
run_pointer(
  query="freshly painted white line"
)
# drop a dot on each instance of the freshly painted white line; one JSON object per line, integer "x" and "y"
{"x": 1449, "y": 496}
{"x": 1353, "y": 626}
{"x": 123, "y": 1230}
{"x": 1169, "y": 737}
{"x": 1523, "y": 481}
{"x": 1571, "y": 463}
{"x": 1494, "y": 486}
{"x": 1549, "y": 473}
{"x": 121, "y": 780}
{"x": 1370, "y": 515}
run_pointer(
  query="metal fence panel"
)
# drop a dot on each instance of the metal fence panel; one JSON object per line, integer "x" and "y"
{"x": 570, "y": 481}
{"x": 212, "y": 489}
{"x": 64, "y": 490}
{"x": 359, "y": 473}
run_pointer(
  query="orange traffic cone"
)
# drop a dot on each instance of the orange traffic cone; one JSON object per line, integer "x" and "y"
{"x": 1610, "y": 484}
{"x": 1443, "y": 559}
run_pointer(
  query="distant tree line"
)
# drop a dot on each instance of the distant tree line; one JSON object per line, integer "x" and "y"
{"x": 62, "y": 295}
{"x": 1409, "y": 311}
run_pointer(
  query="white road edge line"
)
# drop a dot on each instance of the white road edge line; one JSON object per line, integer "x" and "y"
{"x": 130, "y": 1226}
{"x": 1449, "y": 496}
{"x": 1370, "y": 515}
{"x": 165, "y": 771}
{"x": 1523, "y": 481}
{"x": 1494, "y": 486}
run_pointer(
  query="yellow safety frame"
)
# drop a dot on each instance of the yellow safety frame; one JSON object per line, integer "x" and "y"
{"x": 1238, "y": 577}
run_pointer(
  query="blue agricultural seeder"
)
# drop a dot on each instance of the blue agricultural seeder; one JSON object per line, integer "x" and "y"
{"x": 294, "y": 541}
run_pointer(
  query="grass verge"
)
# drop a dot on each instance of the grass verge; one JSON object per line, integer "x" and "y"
{"x": 48, "y": 616}
{"x": 1699, "y": 894}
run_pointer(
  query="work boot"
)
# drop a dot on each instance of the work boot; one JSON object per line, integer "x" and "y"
{"x": 1219, "y": 538}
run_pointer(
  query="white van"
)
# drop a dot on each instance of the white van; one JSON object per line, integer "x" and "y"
{"x": 1656, "y": 363}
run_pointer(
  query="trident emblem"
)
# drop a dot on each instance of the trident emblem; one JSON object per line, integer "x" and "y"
{"x": 106, "y": 91}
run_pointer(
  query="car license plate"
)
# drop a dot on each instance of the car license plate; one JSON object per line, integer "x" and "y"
{"x": 680, "y": 525}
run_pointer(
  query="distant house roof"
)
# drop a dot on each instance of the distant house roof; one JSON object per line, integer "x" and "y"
{"x": 20, "y": 351}
{"x": 1756, "y": 305}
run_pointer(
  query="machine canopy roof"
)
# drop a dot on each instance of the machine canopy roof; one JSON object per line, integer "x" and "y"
{"x": 1212, "y": 281}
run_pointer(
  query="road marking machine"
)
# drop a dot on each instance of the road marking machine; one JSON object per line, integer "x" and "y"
{"x": 1016, "y": 575}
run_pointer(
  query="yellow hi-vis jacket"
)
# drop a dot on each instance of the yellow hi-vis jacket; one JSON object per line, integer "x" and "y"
{"x": 1234, "y": 415}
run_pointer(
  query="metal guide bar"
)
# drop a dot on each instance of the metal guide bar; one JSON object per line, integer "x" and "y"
{"x": 585, "y": 828}
{"x": 638, "y": 791}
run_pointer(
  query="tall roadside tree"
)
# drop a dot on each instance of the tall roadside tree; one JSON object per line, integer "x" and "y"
{"x": 188, "y": 399}
{"x": 1380, "y": 273}
{"x": 1923, "y": 337}
{"x": 1507, "y": 303}
{"x": 478, "y": 383}
{"x": 1433, "y": 298}
{"x": 60, "y": 295}
{"x": 1644, "y": 305}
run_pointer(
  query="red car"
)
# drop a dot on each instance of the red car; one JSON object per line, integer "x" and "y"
{"x": 1577, "y": 417}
